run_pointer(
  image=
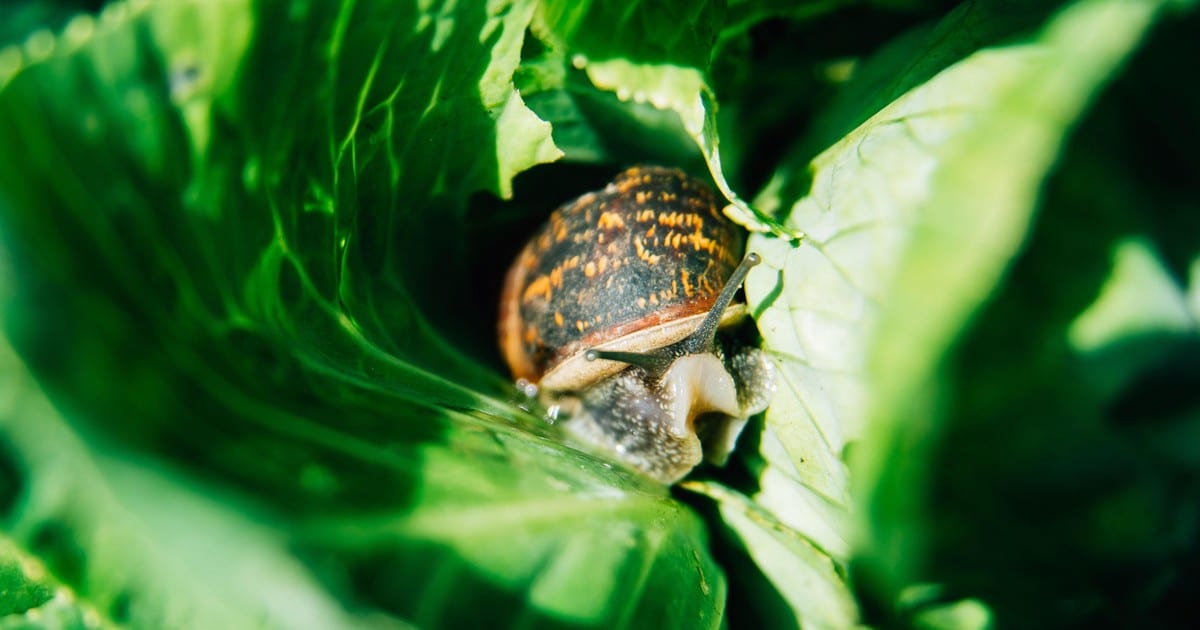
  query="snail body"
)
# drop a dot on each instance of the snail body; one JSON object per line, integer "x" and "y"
{"x": 613, "y": 311}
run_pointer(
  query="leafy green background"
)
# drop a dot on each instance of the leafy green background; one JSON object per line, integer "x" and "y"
{"x": 250, "y": 254}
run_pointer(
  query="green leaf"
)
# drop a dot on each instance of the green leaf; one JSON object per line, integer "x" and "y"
{"x": 970, "y": 115}
{"x": 556, "y": 544}
{"x": 245, "y": 396}
{"x": 23, "y": 581}
{"x": 811, "y": 582}
{"x": 973, "y": 407}
{"x": 1138, "y": 299}
{"x": 656, "y": 53}
{"x": 967, "y": 614}
{"x": 673, "y": 32}
{"x": 595, "y": 127}
{"x": 648, "y": 52}
{"x": 251, "y": 212}
{"x": 817, "y": 302}
{"x": 132, "y": 543}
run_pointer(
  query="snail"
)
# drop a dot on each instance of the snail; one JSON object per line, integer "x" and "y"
{"x": 615, "y": 314}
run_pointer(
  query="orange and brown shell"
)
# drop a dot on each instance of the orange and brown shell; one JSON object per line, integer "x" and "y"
{"x": 637, "y": 263}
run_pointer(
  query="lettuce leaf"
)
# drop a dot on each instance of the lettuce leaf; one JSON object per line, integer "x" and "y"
{"x": 249, "y": 257}
{"x": 240, "y": 215}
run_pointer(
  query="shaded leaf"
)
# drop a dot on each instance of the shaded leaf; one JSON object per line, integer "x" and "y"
{"x": 985, "y": 422}
{"x": 870, "y": 201}
{"x": 110, "y": 531}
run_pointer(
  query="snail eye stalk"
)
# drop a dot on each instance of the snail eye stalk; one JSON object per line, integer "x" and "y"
{"x": 701, "y": 341}
{"x": 655, "y": 363}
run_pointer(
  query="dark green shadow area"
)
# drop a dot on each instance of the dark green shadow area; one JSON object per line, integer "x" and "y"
{"x": 12, "y": 479}
{"x": 905, "y": 63}
{"x": 19, "y": 18}
{"x": 773, "y": 78}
